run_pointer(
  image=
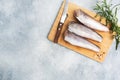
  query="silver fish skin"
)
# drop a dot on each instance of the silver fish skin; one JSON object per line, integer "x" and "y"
{"x": 89, "y": 21}
{"x": 80, "y": 42}
{"x": 83, "y": 31}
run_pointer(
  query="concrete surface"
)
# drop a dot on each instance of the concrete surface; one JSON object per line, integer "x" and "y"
{"x": 27, "y": 54}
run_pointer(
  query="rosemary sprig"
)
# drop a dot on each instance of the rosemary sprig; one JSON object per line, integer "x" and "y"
{"x": 109, "y": 11}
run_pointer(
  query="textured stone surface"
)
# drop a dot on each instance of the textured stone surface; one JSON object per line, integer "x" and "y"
{"x": 26, "y": 53}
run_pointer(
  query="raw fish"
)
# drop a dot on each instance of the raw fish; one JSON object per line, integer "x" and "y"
{"x": 83, "y": 31}
{"x": 80, "y": 41}
{"x": 89, "y": 21}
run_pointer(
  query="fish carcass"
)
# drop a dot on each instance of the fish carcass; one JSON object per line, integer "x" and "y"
{"x": 89, "y": 21}
{"x": 83, "y": 31}
{"x": 80, "y": 41}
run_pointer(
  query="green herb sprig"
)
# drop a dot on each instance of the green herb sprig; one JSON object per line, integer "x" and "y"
{"x": 109, "y": 11}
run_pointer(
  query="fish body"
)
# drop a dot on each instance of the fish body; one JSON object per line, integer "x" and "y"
{"x": 80, "y": 41}
{"x": 83, "y": 31}
{"x": 89, "y": 21}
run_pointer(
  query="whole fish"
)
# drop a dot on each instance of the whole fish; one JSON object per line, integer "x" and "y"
{"x": 83, "y": 31}
{"x": 79, "y": 41}
{"x": 89, "y": 21}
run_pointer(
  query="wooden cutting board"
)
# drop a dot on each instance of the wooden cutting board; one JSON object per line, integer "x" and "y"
{"x": 104, "y": 45}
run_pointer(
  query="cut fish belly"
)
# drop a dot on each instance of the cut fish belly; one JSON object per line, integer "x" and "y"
{"x": 83, "y": 31}
{"x": 89, "y": 21}
{"x": 80, "y": 41}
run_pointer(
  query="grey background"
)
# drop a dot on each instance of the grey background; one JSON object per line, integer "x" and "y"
{"x": 27, "y": 54}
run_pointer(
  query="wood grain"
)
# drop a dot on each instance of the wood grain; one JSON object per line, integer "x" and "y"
{"x": 104, "y": 45}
